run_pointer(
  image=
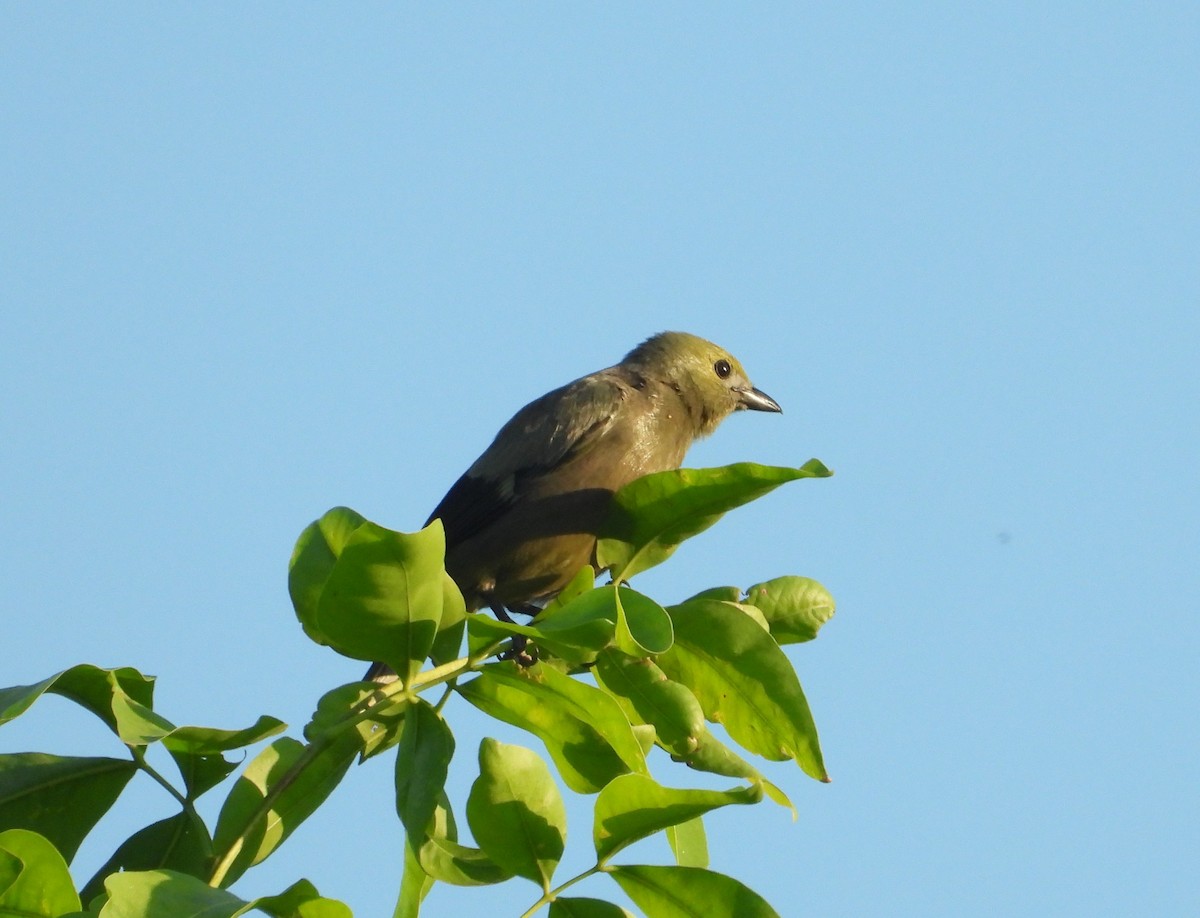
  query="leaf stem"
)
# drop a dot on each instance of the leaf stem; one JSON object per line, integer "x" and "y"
{"x": 139, "y": 758}
{"x": 367, "y": 707}
{"x": 553, "y": 894}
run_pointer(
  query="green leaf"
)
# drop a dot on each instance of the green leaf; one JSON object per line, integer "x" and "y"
{"x": 714, "y": 757}
{"x": 62, "y": 798}
{"x": 378, "y": 732}
{"x": 576, "y": 642}
{"x": 643, "y": 626}
{"x": 422, "y": 763}
{"x": 179, "y": 843}
{"x": 583, "y": 582}
{"x": 122, "y": 698}
{"x": 17, "y": 699}
{"x": 598, "y": 708}
{"x": 197, "y": 751}
{"x": 724, "y": 593}
{"x": 10, "y": 868}
{"x": 166, "y": 894}
{"x": 576, "y": 907}
{"x": 448, "y": 641}
{"x": 583, "y": 757}
{"x": 414, "y": 886}
{"x": 652, "y": 515}
{"x": 448, "y": 861}
{"x": 795, "y": 607}
{"x": 745, "y": 681}
{"x": 34, "y": 879}
{"x": 689, "y": 842}
{"x": 516, "y": 812}
{"x": 279, "y": 789}
{"x": 634, "y": 807}
{"x": 313, "y": 558}
{"x": 383, "y": 598}
{"x": 443, "y": 858}
{"x": 648, "y": 697}
{"x": 209, "y": 740}
{"x": 301, "y": 900}
{"x": 689, "y": 892}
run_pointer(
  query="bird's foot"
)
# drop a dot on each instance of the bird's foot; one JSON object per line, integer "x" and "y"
{"x": 519, "y": 650}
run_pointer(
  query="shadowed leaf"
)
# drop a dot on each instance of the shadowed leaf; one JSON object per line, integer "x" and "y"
{"x": 178, "y": 843}
{"x": 59, "y": 797}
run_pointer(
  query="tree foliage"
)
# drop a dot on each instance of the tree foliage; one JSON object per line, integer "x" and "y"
{"x": 616, "y": 676}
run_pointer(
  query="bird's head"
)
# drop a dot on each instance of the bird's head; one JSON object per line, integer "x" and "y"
{"x": 710, "y": 381}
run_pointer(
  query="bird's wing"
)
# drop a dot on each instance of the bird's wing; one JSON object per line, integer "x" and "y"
{"x": 537, "y": 440}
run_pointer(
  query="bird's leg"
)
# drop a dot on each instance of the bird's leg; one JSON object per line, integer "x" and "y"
{"x": 517, "y": 652}
{"x": 500, "y": 612}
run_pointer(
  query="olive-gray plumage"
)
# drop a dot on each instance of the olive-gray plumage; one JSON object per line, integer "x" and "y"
{"x": 522, "y": 520}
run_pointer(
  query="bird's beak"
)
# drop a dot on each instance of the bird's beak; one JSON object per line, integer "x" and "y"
{"x": 757, "y": 400}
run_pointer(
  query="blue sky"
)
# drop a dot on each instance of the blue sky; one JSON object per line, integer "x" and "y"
{"x": 261, "y": 262}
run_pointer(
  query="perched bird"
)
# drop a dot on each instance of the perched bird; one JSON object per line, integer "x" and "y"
{"x": 522, "y": 520}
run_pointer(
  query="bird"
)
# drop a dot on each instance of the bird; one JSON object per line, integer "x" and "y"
{"x": 522, "y": 520}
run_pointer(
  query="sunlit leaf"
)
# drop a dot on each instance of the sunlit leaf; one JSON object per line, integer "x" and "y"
{"x": 444, "y": 859}
{"x": 516, "y": 812}
{"x": 601, "y": 710}
{"x": 379, "y": 731}
{"x": 122, "y": 698}
{"x": 633, "y": 807}
{"x": 643, "y": 626}
{"x": 279, "y": 789}
{"x": 449, "y": 636}
{"x": 743, "y": 680}
{"x": 795, "y": 607}
{"x": 723, "y": 593}
{"x": 34, "y": 880}
{"x": 301, "y": 900}
{"x": 689, "y": 892}
{"x": 576, "y": 642}
{"x": 652, "y": 515}
{"x": 583, "y": 582}
{"x": 313, "y": 558}
{"x": 167, "y": 894}
{"x": 198, "y": 751}
{"x": 414, "y": 886}
{"x": 383, "y": 597}
{"x": 689, "y": 842}
{"x": 577, "y": 907}
{"x": 714, "y": 757}
{"x": 648, "y": 697}
{"x": 584, "y": 759}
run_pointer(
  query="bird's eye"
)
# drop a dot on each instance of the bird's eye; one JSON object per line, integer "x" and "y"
{"x": 723, "y": 368}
